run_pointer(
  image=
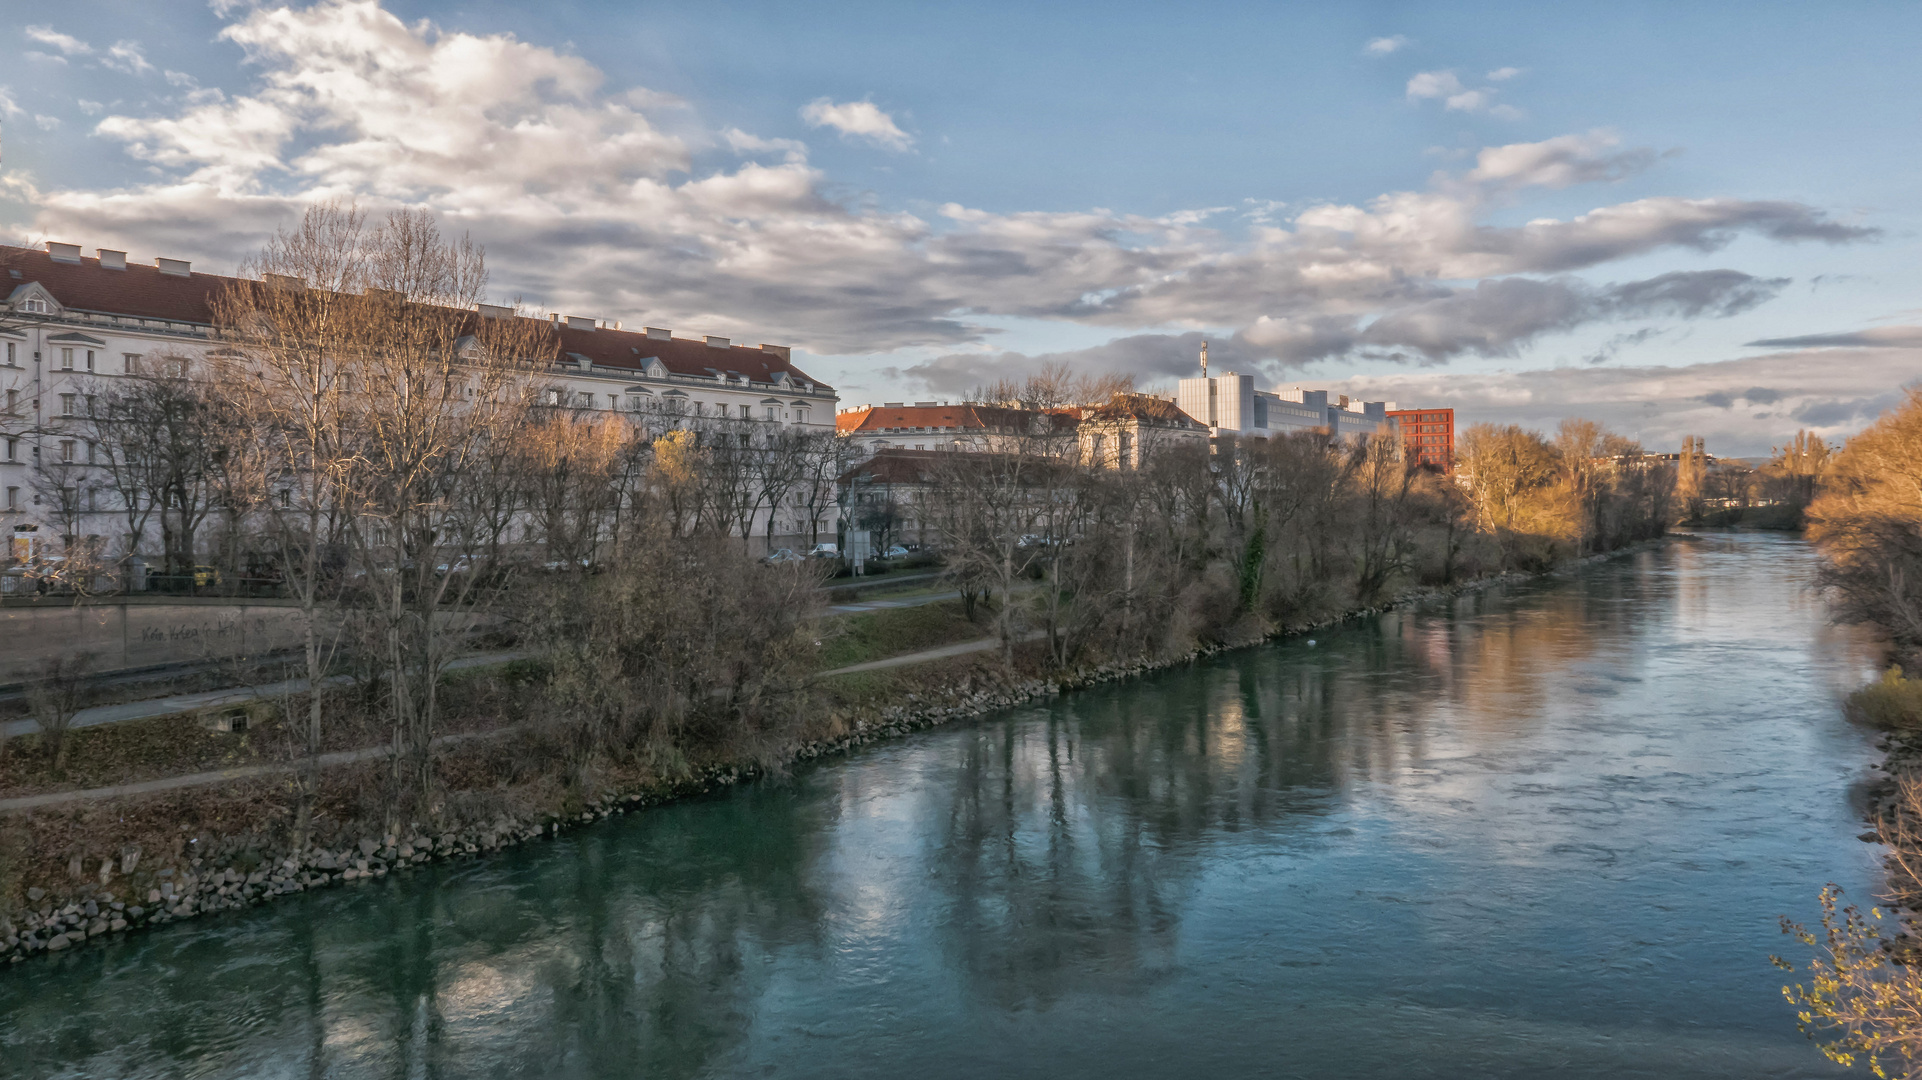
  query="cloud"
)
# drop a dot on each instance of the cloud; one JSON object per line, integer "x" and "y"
{"x": 1560, "y": 162}
{"x": 125, "y": 56}
{"x": 589, "y": 205}
{"x": 1447, "y": 87}
{"x": 46, "y": 123}
{"x": 1893, "y": 337}
{"x": 1780, "y": 393}
{"x": 1502, "y": 74}
{"x": 67, "y": 44}
{"x": 859, "y": 120}
{"x": 741, "y": 142}
{"x": 8, "y": 106}
{"x": 1384, "y": 46}
{"x": 91, "y": 108}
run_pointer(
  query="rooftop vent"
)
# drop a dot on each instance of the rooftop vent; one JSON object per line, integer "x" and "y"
{"x": 494, "y": 311}
{"x": 112, "y": 260}
{"x": 716, "y": 342}
{"x": 174, "y": 267}
{"x": 579, "y": 322}
{"x": 892, "y": 405}
{"x": 781, "y": 351}
{"x": 659, "y": 334}
{"x": 66, "y": 253}
{"x": 610, "y": 324}
{"x": 924, "y": 404}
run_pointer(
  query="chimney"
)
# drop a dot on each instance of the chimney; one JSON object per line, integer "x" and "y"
{"x": 174, "y": 267}
{"x": 66, "y": 253}
{"x": 493, "y": 311}
{"x": 286, "y": 281}
{"x": 111, "y": 259}
{"x": 781, "y": 351}
{"x": 716, "y": 342}
{"x": 659, "y": 334}
{"x": 578, "y": 322}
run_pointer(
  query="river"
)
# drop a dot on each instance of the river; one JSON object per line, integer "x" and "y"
{"x": 1544, "y": 829}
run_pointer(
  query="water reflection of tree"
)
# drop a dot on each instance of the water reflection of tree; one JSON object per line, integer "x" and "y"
{"x": 1071, "y": 846}
{"x": 624, "y": 956}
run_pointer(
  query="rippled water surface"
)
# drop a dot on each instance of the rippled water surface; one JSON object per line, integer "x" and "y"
{"x": 1544, "y": 830}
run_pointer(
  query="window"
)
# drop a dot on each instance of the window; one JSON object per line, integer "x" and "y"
{"x": 13, "y": 498}
{"x": 66, "y": 449}
{"x": 34, "y": 305}
{"x": 89, "y": 359}
{"x": 770, "y": 412}
{"x": 12, "y": 447}
{"x": 552, "y": 397}
{"x": 92, "y": 452}
{"x": 13, "y": 400}
{"x": 90, "y": 406}
{"x": 66, "y": 404}
{"x": 66, "y": 359}
{"x": 613, "y": 401}
{"x": 93, "y": 494}
{"x": 800, "y": 416}
{"x": 132, "y": 362}
{"x": 12, "y": 360}
{"x": 286, "y": 497}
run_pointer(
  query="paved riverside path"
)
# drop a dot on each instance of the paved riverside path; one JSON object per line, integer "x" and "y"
{"x": 348, "y": 757}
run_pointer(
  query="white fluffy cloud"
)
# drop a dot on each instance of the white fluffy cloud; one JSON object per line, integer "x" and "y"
{"x": 126, "y": 56}
{"x": 857, "y": 120}
{"x": 1447, "y": 87}
{"x": 588, "y": 204}
{"x": 1385, "y": 46}
{"x": 67, "y": 44}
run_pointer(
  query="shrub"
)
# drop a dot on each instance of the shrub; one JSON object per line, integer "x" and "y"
{"x": 1892, "y": 702}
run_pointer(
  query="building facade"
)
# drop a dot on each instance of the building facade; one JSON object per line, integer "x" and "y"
{"x": 72, "y": 324}
{"x": 1427, "y": 436}
{"x": 1229, "y": 404}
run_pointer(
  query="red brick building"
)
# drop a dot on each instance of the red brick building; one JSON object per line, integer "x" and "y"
{"x": 1427, "y": 436}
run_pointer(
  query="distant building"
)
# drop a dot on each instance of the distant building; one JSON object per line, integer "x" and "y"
{"x": 1125, "y": 430}
{"x": 1229, "y": 404}
{"x": 1427, "y": 436}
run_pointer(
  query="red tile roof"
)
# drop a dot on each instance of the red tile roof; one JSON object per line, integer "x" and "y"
{"x": 139, "y": 291}
{"x": 144, "y": 292}
{"x": 940, "y": 417}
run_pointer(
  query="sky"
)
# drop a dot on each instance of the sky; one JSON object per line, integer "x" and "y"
{"x": 1677, "y": 219}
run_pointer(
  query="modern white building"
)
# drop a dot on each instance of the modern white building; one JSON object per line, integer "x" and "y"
{"x": 1230, "y": 405}
{"x": 71, "y": 324}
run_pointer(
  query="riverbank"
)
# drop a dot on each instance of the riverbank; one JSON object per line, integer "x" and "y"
{"x": 123, "y": 875}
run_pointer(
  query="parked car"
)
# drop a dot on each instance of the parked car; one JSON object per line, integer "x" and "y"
{"x": 895, "y": 552}
{"x": 206, "y": 575}
{"x": 825, "y": 551}
{"x": 782, "y": 555}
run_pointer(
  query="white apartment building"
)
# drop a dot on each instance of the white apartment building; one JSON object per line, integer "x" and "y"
{"x": 70, "y": 324}
{"x": 1230, "y": 405}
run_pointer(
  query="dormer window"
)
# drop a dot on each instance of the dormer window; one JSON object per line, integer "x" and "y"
{"x": 33, "y": 305}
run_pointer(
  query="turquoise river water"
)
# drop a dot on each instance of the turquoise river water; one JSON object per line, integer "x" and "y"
{"x": 1543, "y": 830}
